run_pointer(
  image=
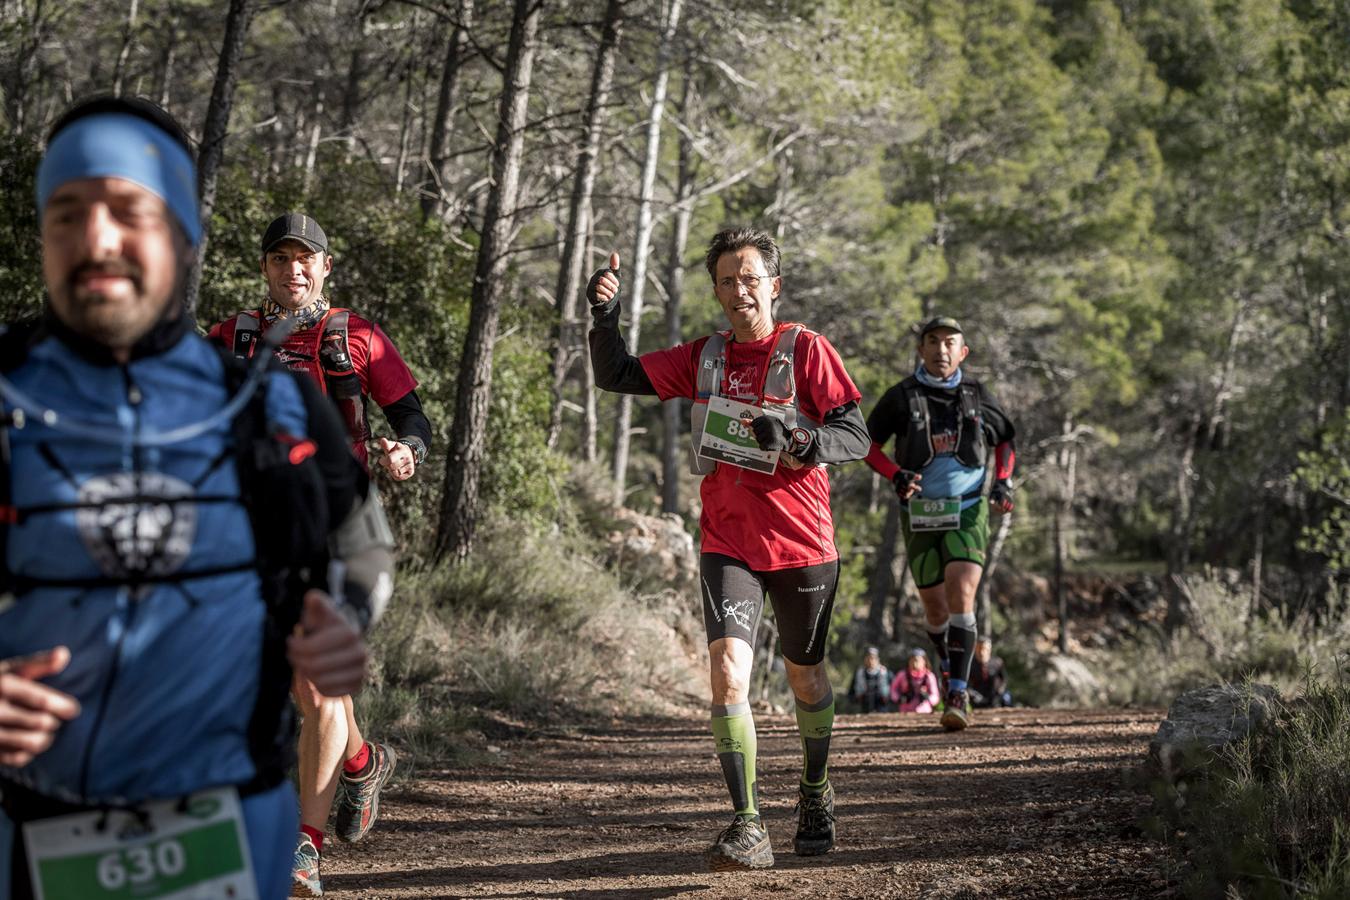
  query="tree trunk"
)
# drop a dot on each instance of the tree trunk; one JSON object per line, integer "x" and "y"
{"x": 898, "y": 615}
{"x": 642, "y": 243}
{"x": 119, "y": 70}
{"x": 1067, "y": 459}
{"x": 1204, "y": 427}
{"x": 312, "y": 145}
{"x": 434, "y": 191}
{"x": 1258, "y": 554}
{"x": 351, "y": 91}
{"x": 881, "y": 583}
{"x": 33, "y": 34}
{"x": 405, "y": 131}
{"x": 993, "y": 556}
{"x": 590, "y": 439}
{"x": 572, "y": 262}
{"x": 214, "y": 130}
{"x": 673, "y": 409}
{"x": 1061, "y": 597}
{"x": 459, "y": 506}
{"x": 165, "y": 80}
{"x": 766, "y": 652}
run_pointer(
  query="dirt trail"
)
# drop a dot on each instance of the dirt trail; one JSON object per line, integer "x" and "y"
{"x": 1028, "y": 803}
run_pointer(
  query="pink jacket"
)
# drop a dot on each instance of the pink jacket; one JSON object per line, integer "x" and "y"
{"x": 921, "y": 696}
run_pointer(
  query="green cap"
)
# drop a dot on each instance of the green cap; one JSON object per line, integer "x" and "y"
{"x": 937, "y": 322}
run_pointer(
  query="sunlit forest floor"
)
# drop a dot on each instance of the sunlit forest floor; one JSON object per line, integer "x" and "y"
{"x": 1027, "y": 803}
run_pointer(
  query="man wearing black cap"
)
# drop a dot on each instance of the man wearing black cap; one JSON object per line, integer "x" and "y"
{"x": 943, "y": 423}
{"x": 159, "y": 541}
{"x": 350, "y": 358}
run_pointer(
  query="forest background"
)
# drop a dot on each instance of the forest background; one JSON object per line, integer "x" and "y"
{"x": 1138, "y": 209}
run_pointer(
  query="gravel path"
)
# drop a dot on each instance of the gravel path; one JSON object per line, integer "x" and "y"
{"x": 1025, "y": 804}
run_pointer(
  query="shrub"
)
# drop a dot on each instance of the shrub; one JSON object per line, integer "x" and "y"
{"x": 1227, "y": 643}
{"x": 1269, "y": 821}
{"x": 531, "y": 629}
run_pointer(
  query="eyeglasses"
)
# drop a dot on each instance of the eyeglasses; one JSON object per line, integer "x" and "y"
{"x": 749, "y": 282}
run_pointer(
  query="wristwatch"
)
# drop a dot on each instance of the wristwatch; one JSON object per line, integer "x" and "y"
{"x": 800, "y": 442}
{"x": 418, "y": 448}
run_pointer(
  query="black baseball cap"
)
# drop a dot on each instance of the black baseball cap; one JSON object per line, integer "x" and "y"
{"x": 295, "y": 226}
{"x": 937, "y": 322}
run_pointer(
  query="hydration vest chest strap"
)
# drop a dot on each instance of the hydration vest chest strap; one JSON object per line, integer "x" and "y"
{"x": 777, "y": 389}
{"x": 917, "y": 450}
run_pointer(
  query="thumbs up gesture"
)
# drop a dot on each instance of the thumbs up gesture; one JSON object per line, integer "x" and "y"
{"x": 398, "y": 459}
{"x": 604, "y": 285}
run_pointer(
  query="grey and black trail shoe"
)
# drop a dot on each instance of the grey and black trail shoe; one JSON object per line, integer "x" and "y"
{"x": 815, "y": 822}
{"x": 744, "y": 844}
{"x": 956, "y": 710}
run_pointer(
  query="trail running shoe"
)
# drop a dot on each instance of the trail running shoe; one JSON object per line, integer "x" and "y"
{"x": 358, "y": 799}
{"x": 956, "y": 711}
{"x": 815, "y": 822}
{"x": 744, "y": 844}
{"x": 305, "y": 880}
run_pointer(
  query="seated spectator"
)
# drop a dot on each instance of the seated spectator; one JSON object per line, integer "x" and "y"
{"x": 915, "y": 689}
{"x": 871, "y": 684}
{"x": 988, "y": 679}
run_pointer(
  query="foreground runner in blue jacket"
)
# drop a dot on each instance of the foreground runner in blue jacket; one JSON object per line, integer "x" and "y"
{"x": 164, "y": 514}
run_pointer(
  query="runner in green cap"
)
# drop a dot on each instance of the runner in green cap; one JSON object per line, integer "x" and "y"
{"x": 943, "y": 424}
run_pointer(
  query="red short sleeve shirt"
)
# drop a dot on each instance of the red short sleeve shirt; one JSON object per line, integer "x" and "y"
{"x": 769, "y": 522}
{"x": 384, "y": 376}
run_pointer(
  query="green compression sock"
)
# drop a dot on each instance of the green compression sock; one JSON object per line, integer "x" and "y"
{"x": 815, "y": 722}
{"x": 733, "y": 730}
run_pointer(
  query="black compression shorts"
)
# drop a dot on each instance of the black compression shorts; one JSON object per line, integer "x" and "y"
{"x": 733, "y": 600}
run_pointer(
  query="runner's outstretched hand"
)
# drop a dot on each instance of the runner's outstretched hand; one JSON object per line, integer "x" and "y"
{"x": 1001, "y": 497}
{"x": 329, "y": 651}
{"x": 906, "y": 483}
{"x": 398, "y": 459}
{"x": 604, "y": 284}
{"x": 30, "y": 712}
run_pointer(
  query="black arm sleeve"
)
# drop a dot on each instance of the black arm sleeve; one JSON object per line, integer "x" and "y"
{"x": 889, "y": 418}
{"x": 843, "y": 438}
{"x": 407, "y": 419}
{"x": 998, "y": 426}
{"x": 346, "y": 482}
{"x": 615, "y": 368}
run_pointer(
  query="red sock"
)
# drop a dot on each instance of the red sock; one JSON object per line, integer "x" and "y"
{"x": 358, "y": 762}
{"x": 315, "y": 835}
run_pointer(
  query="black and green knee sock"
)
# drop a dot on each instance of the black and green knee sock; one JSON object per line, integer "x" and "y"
{"x": 815, "y": 722}
{"x": 961, "y": 645}
{"x": 939, "y": 638}
{"x": 733, "y": 730}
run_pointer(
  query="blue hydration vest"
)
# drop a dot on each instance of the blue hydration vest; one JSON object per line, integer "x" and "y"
{"x": 141, "y": 559}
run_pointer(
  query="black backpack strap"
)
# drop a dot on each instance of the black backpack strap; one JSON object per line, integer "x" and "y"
{"x": 256, "y": 449}
{"x": 970, "y": 399}
{"x": 16, "y": 340}
{"x": 917, "y": 450}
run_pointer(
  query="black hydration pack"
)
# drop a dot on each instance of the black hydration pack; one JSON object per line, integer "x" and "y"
{"x": 918, "y": 451}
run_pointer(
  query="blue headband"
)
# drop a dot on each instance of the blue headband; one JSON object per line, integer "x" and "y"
{"x": 119, "y": 145}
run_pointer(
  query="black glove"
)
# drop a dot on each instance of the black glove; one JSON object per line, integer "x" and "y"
{"x": 598, "y": 306}
{"x": 902, "y": 481}
{"x": 770, "y": 433}
{"x": 1001, "y": 497}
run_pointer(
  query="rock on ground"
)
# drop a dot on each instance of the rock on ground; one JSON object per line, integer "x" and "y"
{"x": 1203, "y": 721}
